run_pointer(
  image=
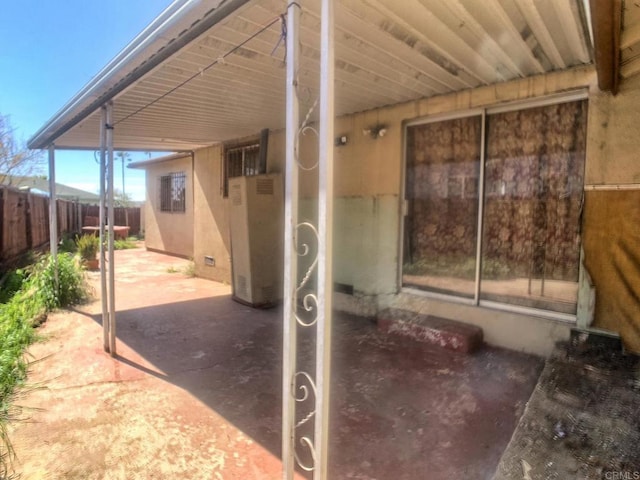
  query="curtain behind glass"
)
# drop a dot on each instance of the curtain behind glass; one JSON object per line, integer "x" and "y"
{"x": 533, "y": 193}
{"x": 443, "y": 161}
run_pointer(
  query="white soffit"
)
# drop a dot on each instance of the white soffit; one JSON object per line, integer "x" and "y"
{"x": 387, "y": 52}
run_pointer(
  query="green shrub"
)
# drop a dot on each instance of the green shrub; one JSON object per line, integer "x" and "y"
{"x": 11, "y": 283}
{"x": 67, "y": 244}
{"x": 88, "y": 246}
{"x": 124, "y": 244}
{"x": 37, "y": 294}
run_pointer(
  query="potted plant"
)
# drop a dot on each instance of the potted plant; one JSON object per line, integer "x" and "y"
{"x": 88, "y": 246}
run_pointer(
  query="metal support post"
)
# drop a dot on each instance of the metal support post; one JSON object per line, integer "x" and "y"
{"x": 300, "y": 386}
{"x": 290, "y": 255}
{"x": 112, "y": 293}
{"x": 325, "y": 235}
{"x": 102, "y": 224}
{"x": 53, "y": 213}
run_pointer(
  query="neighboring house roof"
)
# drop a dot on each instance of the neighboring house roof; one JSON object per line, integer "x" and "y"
{"x": 211, "y": 71}
{"x": 41, "y": 184}
{"x": 154, "y": 161}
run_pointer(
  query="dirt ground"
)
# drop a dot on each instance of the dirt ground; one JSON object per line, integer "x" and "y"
{"x": 195, "y": 392}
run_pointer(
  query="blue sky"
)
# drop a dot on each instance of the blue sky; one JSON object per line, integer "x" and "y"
{"x": 50, "y": 50}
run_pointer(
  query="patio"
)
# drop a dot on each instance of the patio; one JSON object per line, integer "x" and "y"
{"x": 195, "y": 392}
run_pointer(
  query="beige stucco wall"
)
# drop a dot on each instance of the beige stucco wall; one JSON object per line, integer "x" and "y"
{"x": 368, "y": 188}
{"x": 211, "y": 226}
{"x": 368, "y": 174}
{"x": 166, "y": 231}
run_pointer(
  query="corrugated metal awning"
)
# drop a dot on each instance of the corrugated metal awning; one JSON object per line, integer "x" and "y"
{"x": 387, "y": 52}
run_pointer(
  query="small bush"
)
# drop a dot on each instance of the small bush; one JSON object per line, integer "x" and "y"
{"x": 67, "y": 245}
{"x": 36, "y": 295}
{"x": 125, "y": 244}
{"x": 11, "y": 283}
{"x": 88, "y": 246}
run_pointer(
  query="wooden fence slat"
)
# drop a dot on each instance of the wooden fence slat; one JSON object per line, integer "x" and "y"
{"x": 24, "y": 220}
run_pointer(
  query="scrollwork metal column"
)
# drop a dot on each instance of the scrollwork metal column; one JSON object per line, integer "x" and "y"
{"x": 303, "y": 307}
{"x": 290, "y": 256}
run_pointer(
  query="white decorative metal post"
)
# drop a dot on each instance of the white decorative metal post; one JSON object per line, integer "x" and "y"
{"x": 110, "y": 216}
{"x": 102, "y": 222}
{"x": 107, "y": 262}
{"x": 305, "y": 308}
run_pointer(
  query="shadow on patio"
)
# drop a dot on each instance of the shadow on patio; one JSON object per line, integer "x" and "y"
{"x": 399, "y": 410}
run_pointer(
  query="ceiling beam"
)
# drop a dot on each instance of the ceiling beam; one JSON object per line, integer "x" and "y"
{"x": 606, "y": 18}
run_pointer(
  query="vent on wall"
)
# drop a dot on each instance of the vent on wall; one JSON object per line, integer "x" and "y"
{"x": 264, "y": 186}
{"x": 236, "y": 195}
{"x": 241, "y": 286}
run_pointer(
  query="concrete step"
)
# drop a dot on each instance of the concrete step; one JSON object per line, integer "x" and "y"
{"x": 427, "y": 328}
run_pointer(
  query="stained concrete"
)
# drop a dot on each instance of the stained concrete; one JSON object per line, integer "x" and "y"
{"x": 195, "y": 392}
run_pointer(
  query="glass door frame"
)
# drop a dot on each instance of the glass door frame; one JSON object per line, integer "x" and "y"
{"x": 565, "y": 97}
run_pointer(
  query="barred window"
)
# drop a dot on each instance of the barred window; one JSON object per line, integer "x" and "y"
{"x": 242, "y": 161}
{"x": 173, "y": 192}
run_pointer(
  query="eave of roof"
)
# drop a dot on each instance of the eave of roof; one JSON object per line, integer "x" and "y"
{"x": 154, "y": 161}
{"x": 387, "y": 52}
{"x": 145, "y": 52}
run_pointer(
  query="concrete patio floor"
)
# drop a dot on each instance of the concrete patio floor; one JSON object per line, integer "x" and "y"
{"x": 195, "y": 392}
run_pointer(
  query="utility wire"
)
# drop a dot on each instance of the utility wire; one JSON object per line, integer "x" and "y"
{"x": 215, "y": 62}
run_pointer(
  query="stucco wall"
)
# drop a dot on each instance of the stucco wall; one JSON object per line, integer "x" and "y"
{"x": 166, "y": 231}
{"x": 211, "y": 227}
{"x": 368, "y": 186}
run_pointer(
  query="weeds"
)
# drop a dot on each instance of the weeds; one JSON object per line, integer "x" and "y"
{"x": 11, "y": 282}
{"x": 67, "y": 244}
{"x": 125, "y": 244}
{"x": 190, "y": 269}
{"x": 37, "y": 293}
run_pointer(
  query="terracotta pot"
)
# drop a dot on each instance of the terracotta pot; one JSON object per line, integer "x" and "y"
{"x": 93, "y": 264}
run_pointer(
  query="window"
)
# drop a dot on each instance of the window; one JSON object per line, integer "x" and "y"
{"x": 173, "y": 192}
{"x": 241, "y": 161}
{"x": 515, "y": 239}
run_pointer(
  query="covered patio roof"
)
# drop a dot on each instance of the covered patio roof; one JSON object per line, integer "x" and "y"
{"x": 206, "y": 72}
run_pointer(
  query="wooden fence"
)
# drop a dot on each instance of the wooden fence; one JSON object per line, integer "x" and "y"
{"x": 24, "y": 220}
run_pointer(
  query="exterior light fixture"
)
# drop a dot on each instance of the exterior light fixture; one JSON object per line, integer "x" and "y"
{"x": 376, "y": 131}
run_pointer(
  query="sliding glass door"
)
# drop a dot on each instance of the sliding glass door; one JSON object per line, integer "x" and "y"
{"x": 443, "y": 167}
{"x": 532, "y": 163}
